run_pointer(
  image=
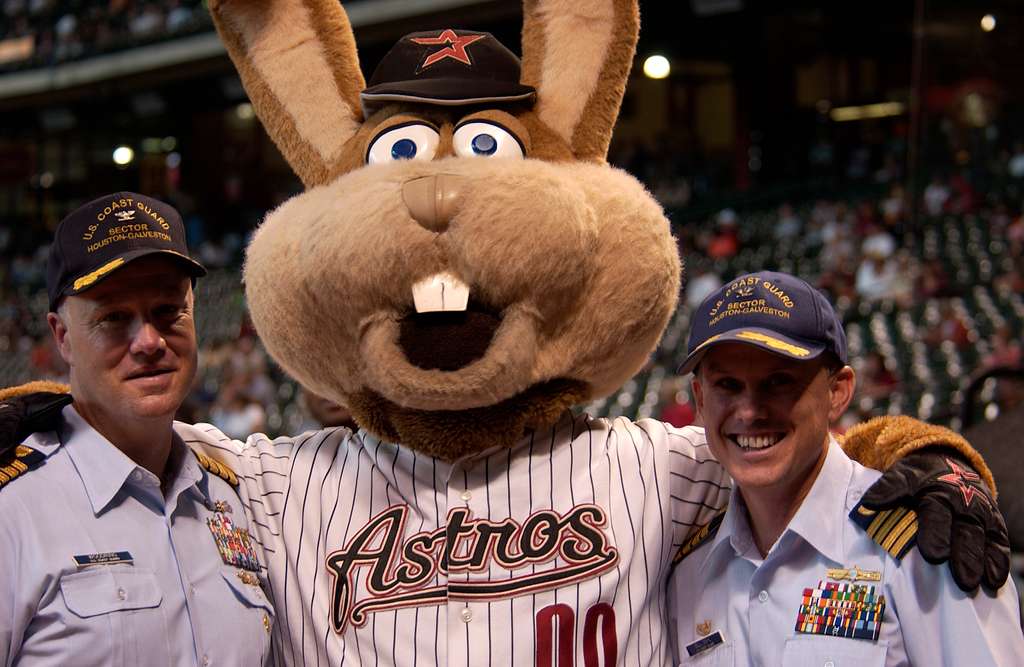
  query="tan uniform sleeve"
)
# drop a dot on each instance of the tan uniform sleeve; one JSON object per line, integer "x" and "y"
{"x": 882, "y": 441}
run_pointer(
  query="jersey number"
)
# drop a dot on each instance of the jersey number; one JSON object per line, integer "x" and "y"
{"x": 556, "y": 629}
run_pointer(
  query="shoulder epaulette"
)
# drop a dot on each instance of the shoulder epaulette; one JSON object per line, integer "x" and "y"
{"x": 894, "y": 529}
{"x": 702, "y": 535}
{"x": 215, "y": 467}
{"x": 25, "y": 459}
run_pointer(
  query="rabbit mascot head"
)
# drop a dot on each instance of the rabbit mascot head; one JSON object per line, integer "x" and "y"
{"x": 463, "y": 264}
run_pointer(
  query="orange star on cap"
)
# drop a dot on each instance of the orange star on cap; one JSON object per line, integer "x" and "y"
{"x": 456, "y": 48}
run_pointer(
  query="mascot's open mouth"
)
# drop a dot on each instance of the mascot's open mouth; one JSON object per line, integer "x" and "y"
{"x": 448, "y": 331}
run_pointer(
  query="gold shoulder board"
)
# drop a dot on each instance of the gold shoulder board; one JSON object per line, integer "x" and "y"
{"x": 25, "y": 459}
{"x": 699, "y": 537}
{"x": 894, "y": 529}
{"x": 215, "y": 467}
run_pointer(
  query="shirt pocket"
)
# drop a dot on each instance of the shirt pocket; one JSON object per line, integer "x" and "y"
{"x": 117, "y": 610}
{"x": 259, "y": 614}
{"x": 812, "y": 651}
{"x": 103, "y": 591}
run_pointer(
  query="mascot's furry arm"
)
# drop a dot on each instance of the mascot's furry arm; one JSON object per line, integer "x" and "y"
{"x": 927, "y": 468}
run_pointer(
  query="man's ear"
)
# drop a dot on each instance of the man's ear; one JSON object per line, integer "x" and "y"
{"x": 841, "y": 386}
{"x": 698, "y": 392}
{"x": 60, "y": 335}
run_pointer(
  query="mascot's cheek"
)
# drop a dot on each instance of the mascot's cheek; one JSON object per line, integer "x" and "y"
{"x": 526, "y": 233}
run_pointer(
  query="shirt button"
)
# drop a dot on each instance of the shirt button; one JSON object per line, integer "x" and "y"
{"x": 829, "y": 663}
{"x": 191, "y": 589}
{"x": 467, "y": 495}
{"x": 206, "y": 660}
{"x": 121, "y": 595}
{"x": 763, "y": 597}
{"x": 136, "y": 475}
{"x": 467, "y": 615}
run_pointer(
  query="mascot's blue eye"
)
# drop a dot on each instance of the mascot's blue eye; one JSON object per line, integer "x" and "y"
{"x": 484, "y": 144}
{"x": 403, "y": 149}
{"x": 483, "y": 138}
{"x": 409, "y": 141}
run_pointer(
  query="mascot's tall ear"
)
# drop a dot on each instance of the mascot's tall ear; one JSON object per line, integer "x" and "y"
{"x": 298, "y": 62}
{"x": 578, "y": 55}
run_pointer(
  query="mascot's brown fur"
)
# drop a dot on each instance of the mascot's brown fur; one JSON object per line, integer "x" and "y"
{"x": 574, "y": 259}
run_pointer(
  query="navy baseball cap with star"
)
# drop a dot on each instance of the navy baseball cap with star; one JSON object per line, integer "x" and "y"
{"x": 774, "y": 311}
{"x": 446, "y": 68}
{"x": 97, "y": 239}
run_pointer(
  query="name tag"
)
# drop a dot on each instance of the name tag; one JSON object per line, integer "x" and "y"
{"x": 705, "y": 643}
{"x": 109, "y": 558}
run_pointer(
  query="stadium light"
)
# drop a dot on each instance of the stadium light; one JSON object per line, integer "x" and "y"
{"x": 244, "y": 111}
{"x": 657, "y": 67}
{"x": 880, "y": 110}
{"x": 988, "y": 23}
{"x": 123, "y": 155}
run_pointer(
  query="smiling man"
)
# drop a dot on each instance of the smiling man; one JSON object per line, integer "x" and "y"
{"x": 787, "y": 574}
{"x": 125, "y": 548}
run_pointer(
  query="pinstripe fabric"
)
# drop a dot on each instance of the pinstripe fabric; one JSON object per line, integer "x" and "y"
{"x": 558, "y": 546}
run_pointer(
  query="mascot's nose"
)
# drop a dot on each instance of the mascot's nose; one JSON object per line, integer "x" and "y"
{"x": 433, "y": 200}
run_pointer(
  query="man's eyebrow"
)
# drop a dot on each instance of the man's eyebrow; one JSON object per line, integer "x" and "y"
{"x": 161, "y": 291}
{"x": 712, "y": 366}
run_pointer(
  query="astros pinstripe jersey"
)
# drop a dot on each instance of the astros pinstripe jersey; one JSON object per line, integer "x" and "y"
{"x": 552, "y": 552}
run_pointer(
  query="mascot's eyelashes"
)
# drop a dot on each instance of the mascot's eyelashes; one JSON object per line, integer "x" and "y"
{"x": 486, "y": 139}
{"x": 409, "y": 141}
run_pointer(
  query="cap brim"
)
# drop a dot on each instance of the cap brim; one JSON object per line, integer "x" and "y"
{"x": 446, "y": 92}
{"x": 766, "y": 339}
{"x": 84, "y": 282}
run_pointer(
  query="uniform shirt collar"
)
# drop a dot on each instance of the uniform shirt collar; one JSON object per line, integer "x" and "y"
{"x": 822, "y": 515}
{"x": 105, "y": 469}
{"x": 819, "y": 520}
{"x": 733, "y": 537}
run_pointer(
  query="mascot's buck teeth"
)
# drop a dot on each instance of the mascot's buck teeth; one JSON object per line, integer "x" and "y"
{"x": 441, "y": 292}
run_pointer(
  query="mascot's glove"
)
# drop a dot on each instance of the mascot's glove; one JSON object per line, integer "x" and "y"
{"x": 20, "y": 416}
{"x": 936, "y": 473}
{"x": 958, "y": 519}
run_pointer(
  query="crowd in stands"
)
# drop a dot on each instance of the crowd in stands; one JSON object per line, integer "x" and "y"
{"x": 868, "y": 258}
{"x": 36, "y": 33}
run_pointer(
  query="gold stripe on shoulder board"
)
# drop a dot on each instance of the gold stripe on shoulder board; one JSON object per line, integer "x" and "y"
{"x": 893, "y": 529}
{"x": 702, "y": 535}
{"x": 25, "y": 459}
{"x": 215, "y": 467}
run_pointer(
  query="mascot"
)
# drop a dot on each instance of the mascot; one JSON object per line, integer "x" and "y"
{"x": 463, "y": 268}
